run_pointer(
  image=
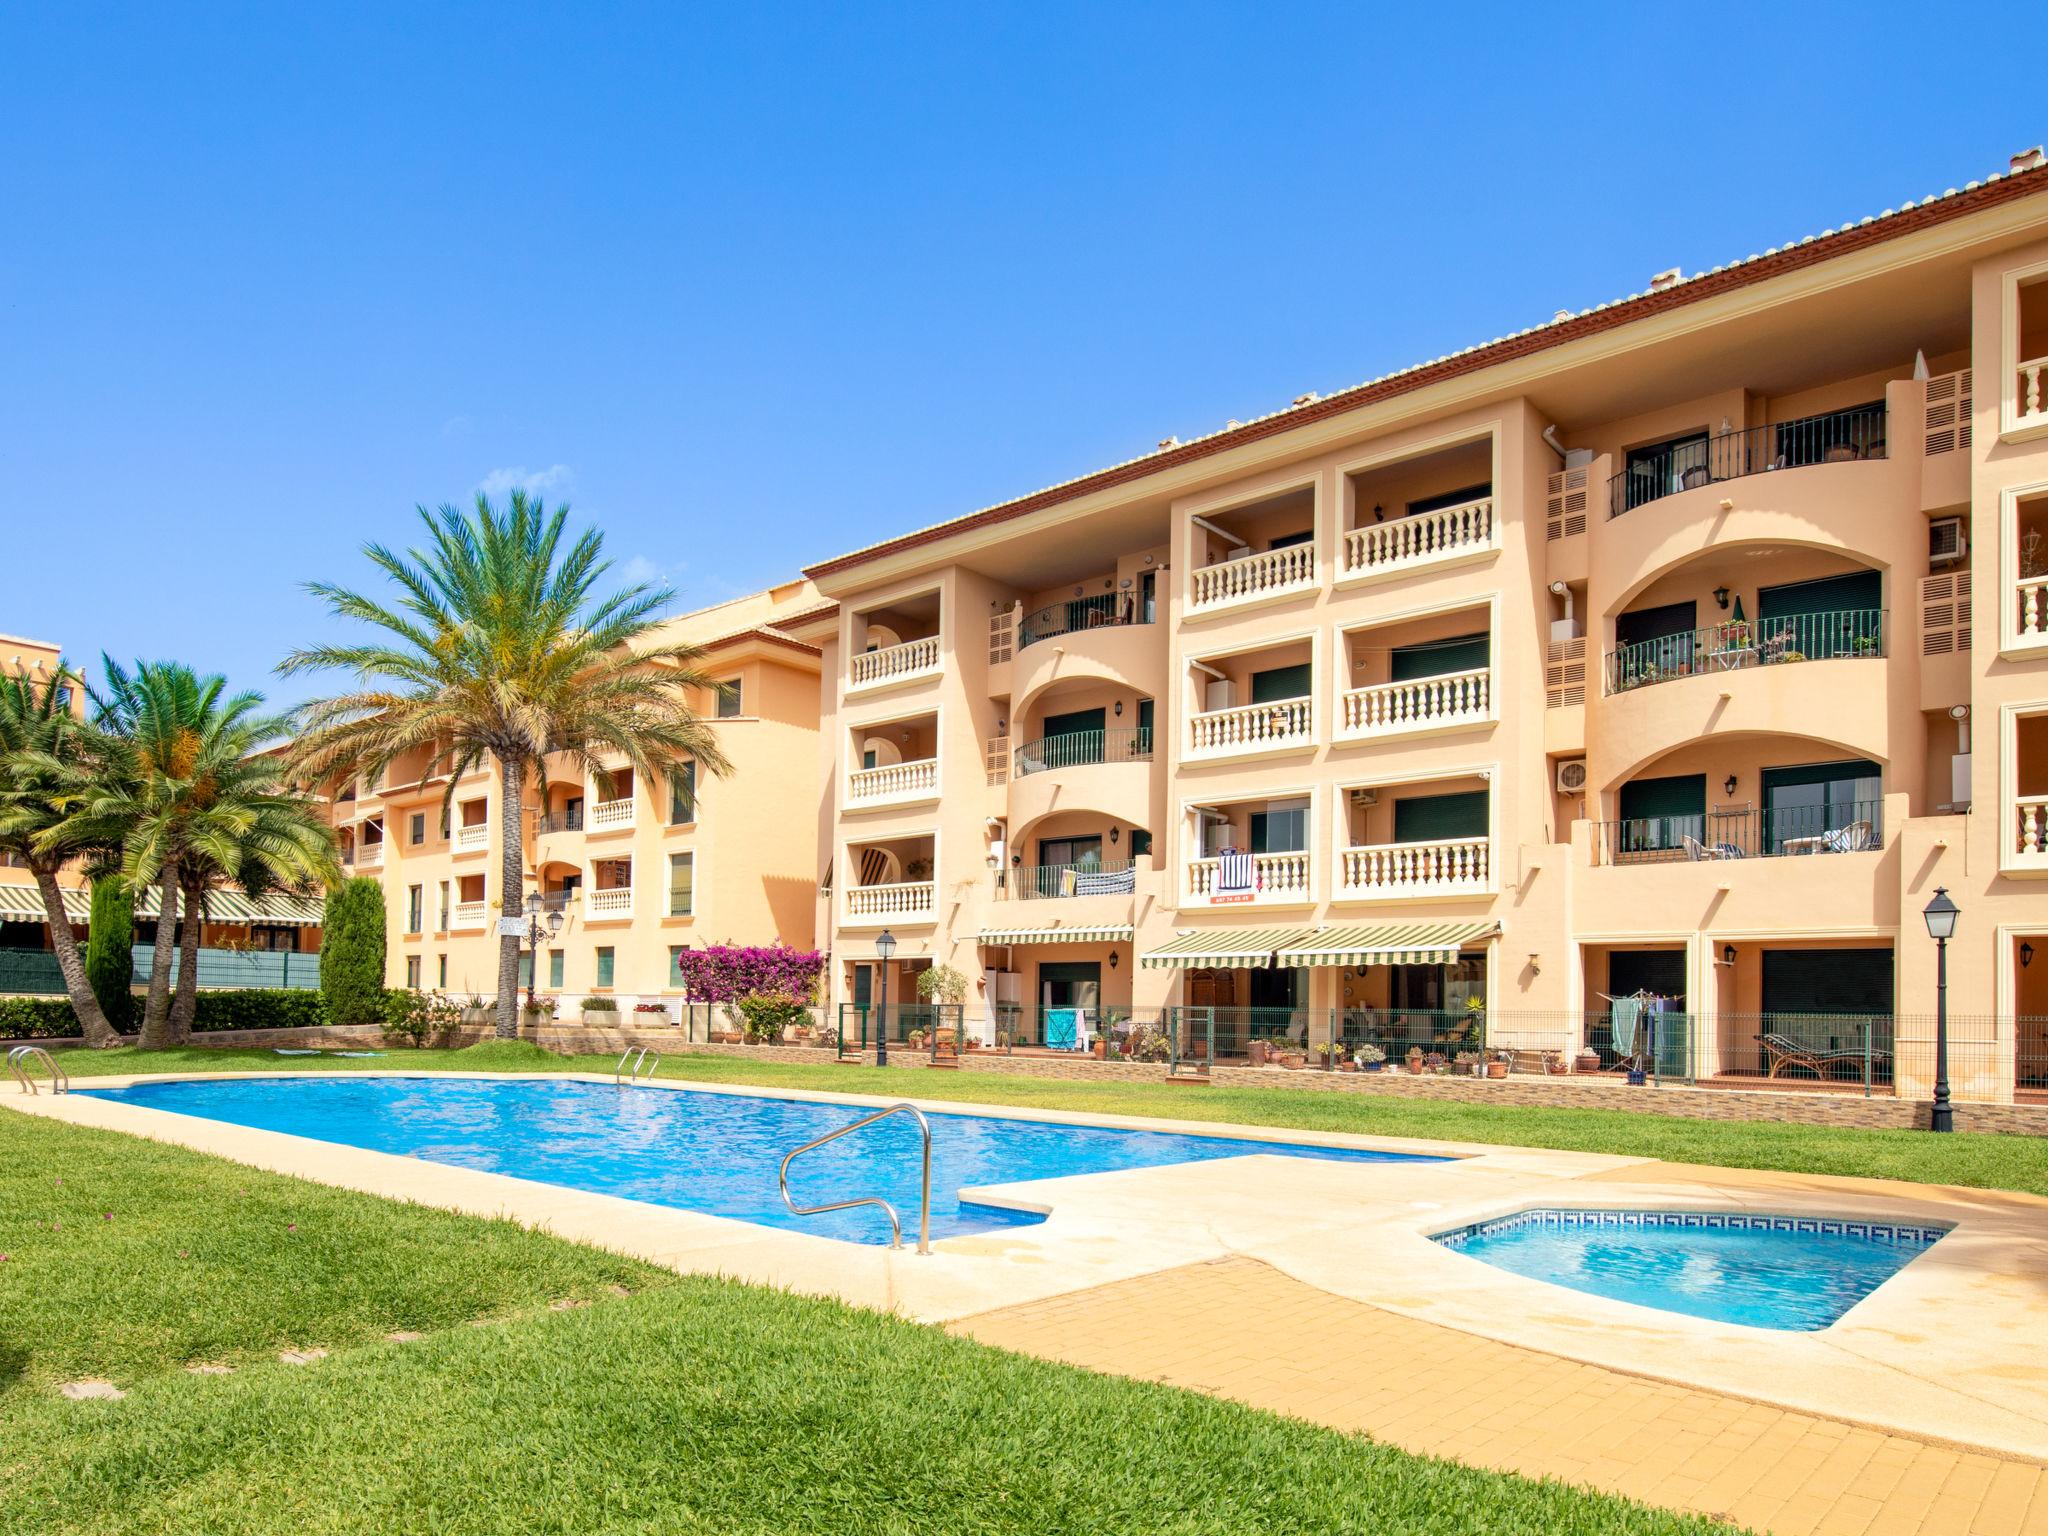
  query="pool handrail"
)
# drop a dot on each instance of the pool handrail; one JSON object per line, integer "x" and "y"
{"x": 60, "y": 1080}
{"x": 924, "y": 1212}
{"x": 639, "y": 1060}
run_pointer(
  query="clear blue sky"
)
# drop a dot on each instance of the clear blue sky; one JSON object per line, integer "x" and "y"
{"x": 753, "y": 285}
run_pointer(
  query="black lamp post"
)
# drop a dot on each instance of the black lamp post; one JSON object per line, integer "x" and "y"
{"x": 534, "y": 903}
{"x": 1941, "y": 915}
{"x": 885, "y": 947}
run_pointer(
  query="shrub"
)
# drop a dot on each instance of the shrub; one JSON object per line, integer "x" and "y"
{"x": 36, "y": 1018}
{"x": 941, "y": 983}
{"x": 600, "y": 1005}
{"x": 427, "y": 1018}
{"x": 727, "y": 973}
{"x": 352, "y": 954}
{"x": 109, "y": 952}
{"x": 259, "y": 1008}
{"x": 765, "y": 1015}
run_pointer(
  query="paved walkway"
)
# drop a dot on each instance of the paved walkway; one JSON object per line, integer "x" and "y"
{"x": 1241, "y": 1329}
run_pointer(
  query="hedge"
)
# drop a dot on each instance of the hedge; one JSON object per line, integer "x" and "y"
{"x": 109, "y": 956}
{"x": 51, "y": 1018}
{"x": 352, "y": 953}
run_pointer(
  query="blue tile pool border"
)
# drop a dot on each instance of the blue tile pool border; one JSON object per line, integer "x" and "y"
{"x": 1725, "y": 1221}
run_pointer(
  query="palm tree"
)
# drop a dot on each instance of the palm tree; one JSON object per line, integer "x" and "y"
{"x": 195, "y": 804}
{"x": 495, "y": 648}
{"x": 45, "y": 752}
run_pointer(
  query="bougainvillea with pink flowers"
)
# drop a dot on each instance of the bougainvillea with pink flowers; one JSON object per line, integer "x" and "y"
{"x": 725, "y": 973}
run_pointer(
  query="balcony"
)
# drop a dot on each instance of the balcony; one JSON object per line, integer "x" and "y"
{"x": 1252, "y": 578}
{"x": 473, "y": 839}
{"x": 370, "y": 856}
{"x": 893, "y": 783}
{"x": 612, "y": 815}
{"x": 1835, "y": 437}
{"x": 1795, "y": 831}
{"x": 1419, "y": 540}
{"x": 1080, "y": 749}
{"x": 876, "y": 906}
{"x": 1459, "y": 866}
{"x": 1105, "y": 610}
{"x": 2030, "y": 399}
{"x": 1048, "y": 882}
{"x": 467, "y": 917}
{"x": 1250, "y": 729}
{"x": 1257, "y": 879}
{"x": 611, "y": 904}
{"x": 891, "y": 664}
{"x": 1443, "y": 702}
{"x": 2030, "y": 827}
{"x": 568, "y": 819}
{"x": 1740, "y": 645}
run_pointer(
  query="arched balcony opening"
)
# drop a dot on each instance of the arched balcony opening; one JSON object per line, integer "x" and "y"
{"x": 1073, "y": 853}
{"x": 1083, "y": 724}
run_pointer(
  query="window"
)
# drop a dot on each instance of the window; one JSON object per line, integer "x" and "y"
{"x": 682, "y": 884}
{"x": 675, "y": 965}
{"x": 1439, "y": 818}
{"x": 441, "y": 971}
{"x": 1277, "y": 683}
{"x": 1661, "y": 469}
{"x": 1434, "y": 658}
{"x": 682, "y": 794}
{"x": 554, "y": 967}
{"x": 604, "y": 966}
{"x": 1281, "y": 828}
{"x": 1823, "y": 807}
{"x": 416, "y": 828}
{"x": 1289, "y": 540}
{"x": 1141, "y": 842}
{"x": 1464, "y": 496}
{"x": 415, "y": 899}
{"x": 444, "y": 823}
{"x": 412, "y": 971}
{"x": 1663, "y": 812}
{"x": 526, "y": 968}
{"x": 443, "y": 924}
{"x": 729, "y": 699}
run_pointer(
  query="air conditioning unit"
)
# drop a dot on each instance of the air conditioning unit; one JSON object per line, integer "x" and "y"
{"x": 1365, "y": 797}
{"x": 1571, "y": 776}
{"x": 1221, "y": 693}
{"x": 1945, "y": 542}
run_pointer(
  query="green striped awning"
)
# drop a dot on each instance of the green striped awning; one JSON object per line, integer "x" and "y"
{"x": 1223, "y": 946}
{"x": 1386, "y": 943}
{"x": 22, "y": 903}
{"x": 1079, "y": 935}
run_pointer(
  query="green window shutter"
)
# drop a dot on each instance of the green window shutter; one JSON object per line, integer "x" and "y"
{"x": 604, "y": 966}
{"x": 1462, "y": 654}
{"x": 1289, "y": 540}
{"x": 1434, "y": 818}
{"x": 1657, "y": 971}
{"x": 1463, "y": 496}
{"x": 1078, "y": 723}
{"x": 554, "y": 967}
{"x": 682, "y": 884}
{"x": 1277, "y": 683}
{"x": 1279, "y": 831}
{"x": 525, "y": 968}
{"x": 1828, "y": 981}
{"x": 1855, "y": 592}
{"x": 1655, "y": 623}
{"x": 682, "y": 794}
{"x": 1141, "y": 842}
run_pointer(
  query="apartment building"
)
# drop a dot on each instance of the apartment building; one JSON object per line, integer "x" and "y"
{"x": 1671, "y": 653}
{"x": 638, "y": 870}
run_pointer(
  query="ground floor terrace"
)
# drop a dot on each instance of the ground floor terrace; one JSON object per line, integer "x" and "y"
{"x": 1315, "y": 1289}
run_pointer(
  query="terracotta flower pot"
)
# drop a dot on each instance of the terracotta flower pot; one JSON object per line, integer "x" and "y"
{"x": 1496, "y": 1069}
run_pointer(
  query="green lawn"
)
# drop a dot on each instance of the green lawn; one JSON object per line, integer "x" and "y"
{"x": 682, "y": 1406}
{"x": 1979, "y": 1161}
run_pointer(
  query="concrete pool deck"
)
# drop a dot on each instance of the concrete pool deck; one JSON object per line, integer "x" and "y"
{"x": 1947, "y": 1352}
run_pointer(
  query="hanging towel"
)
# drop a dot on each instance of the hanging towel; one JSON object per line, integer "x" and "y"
{"x": 1104, "y": 882}
{"x": 1626, "y": 1015}
{"x": 1233, "y": 871}
{"x": 1066, "y": 882}
{"x": 1061, "y": 1029}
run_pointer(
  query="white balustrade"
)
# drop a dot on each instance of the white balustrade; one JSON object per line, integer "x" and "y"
{"x": 894, "y": 662}
{"x": 1403, "y": 542}
{"x": 470, "y": 839}
{"x": 2030, "y": 812}
{"x": 886, "y": 903}
{"x": 610, "y": 815}
{"x": 2033, "y": 617}
{"x": 892, "y": 781}
{"x": 370, "y": 855}
{"x": 1252, "y": 728}
{"x": 1453, "y": 867}
{"x": 1275, "y": 877}
{"x": 1420, "y": 704}
{"x": 1247, "y": 578}
{"x": 617, "y": 901}
{"x": 468, "y": 914}
{"x": 2033, "y": 397}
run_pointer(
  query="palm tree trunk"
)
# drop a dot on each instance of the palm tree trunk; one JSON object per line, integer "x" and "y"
{"x": 511, "y": 889}
{"x": 156, "y": 1013}
{"x": 92, "y": 1019}
{"x": 186, "y": 1004}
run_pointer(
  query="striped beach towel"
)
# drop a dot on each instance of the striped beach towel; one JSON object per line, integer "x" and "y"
{"x": 1233, "y": 871}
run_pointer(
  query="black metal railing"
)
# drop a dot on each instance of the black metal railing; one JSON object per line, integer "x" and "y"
{"x": 1834, "y": 437}
{"x": 570, "y": 820}
{"x": 1080, "y": 749}
{"x": 1855, "y": 826}
{"x": 1736, "y": 644}
{"x": 1105, "y": 610}
{"x": 1040, "y": 882}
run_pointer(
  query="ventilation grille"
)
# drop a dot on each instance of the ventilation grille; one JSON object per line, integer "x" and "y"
{"x": 1945, "y": 614}
{"x": 1002, "y": 636}
{"x": 1948, "y": 413}
{"x": 1564, "y": 673}
{"x": 1567, "y": 504}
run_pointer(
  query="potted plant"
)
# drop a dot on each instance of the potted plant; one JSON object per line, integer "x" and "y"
{"x": 944, "y": 985}
{"x": 540, "y": 1011}
{"x": 1416, "y": 1060}
{"x": 1588, "y": 1060}
{"x": 1435, "y": 1061}
{"x": 476, "y": 1013}
{"x": 1467, "y": 1063}
{"x": 600, "y": 1012}
{"x": 647, "y": 1013}
{"x": 1370, "y": 1058}
{"x": 1554, "y": 1064}
{"x": 1327, "y": 1052}
{"x": 915, "y": 1039}
{"x": 1498, "y": 1062}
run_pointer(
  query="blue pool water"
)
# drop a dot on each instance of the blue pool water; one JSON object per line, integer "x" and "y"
{"x": 713, "y": 1152}
{"x": 1785, "y": 1272}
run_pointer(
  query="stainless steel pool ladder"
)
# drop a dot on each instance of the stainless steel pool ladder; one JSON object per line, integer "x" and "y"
{"x": 624, "y": 1074}
{"x": 21, "y": 1055}
{"x": 924, "y": 1197}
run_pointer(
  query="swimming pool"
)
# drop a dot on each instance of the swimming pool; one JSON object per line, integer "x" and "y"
{"x": 1798, "y": 1273}
{"x": 698, "y": 1151}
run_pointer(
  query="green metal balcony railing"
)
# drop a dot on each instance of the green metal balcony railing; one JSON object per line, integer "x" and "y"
{"x": 1738, "y": 644}
{"x": 1079, "y": 749}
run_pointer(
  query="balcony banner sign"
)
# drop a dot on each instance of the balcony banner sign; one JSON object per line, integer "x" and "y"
{"x": 1233, "y": 877}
